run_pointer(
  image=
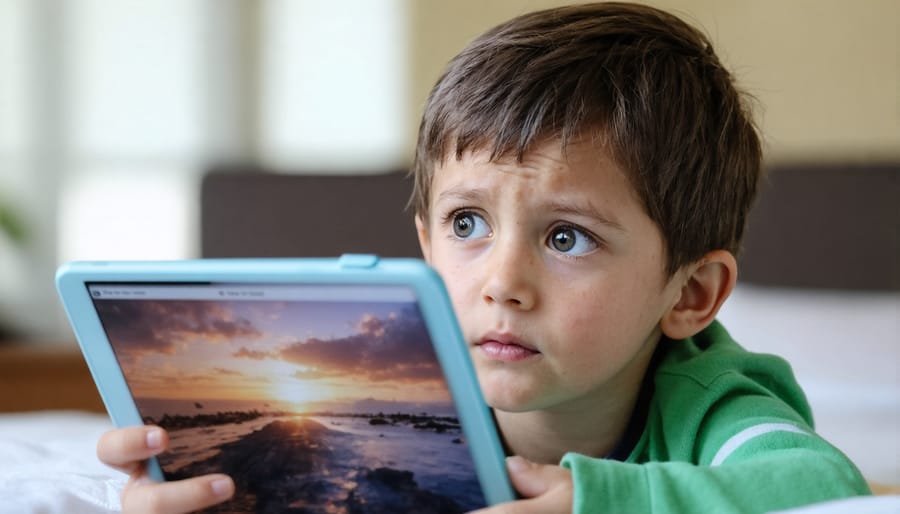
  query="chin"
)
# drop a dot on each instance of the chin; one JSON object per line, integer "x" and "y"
{"x": 499, "y": 395}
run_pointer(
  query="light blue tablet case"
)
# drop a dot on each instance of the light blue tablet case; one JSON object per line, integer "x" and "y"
{"x": 112, "y": 286}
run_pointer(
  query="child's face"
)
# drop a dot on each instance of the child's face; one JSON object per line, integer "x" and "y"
{"x": 555, "y": 272}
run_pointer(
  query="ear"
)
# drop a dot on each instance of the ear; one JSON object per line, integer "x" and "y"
{"x": 709, "y": 282}
{"x": 424, "y": 241}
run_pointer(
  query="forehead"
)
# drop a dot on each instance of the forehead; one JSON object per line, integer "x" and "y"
{"x": 581, "y": 169}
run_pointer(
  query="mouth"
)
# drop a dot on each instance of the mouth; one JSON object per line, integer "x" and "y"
{"x": 505, "y": 348}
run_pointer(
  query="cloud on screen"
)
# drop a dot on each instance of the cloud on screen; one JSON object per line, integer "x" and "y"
{"x": 147, "y": 326}
{"x": 395, "y": 348}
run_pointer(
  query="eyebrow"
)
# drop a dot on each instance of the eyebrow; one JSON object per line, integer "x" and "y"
{"x": 465, "y": 194}
{"x": 587, "y": 210}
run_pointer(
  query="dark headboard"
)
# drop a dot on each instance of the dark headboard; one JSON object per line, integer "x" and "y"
{"x": 825, "y": 226}
{"x": 258, "y": 214}
{"x": 814, "y": 226}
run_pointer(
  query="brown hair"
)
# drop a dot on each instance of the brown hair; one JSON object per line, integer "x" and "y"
{"x": 640, "y": 80}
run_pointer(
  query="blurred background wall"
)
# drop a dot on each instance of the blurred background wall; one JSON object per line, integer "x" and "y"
{"x": 111, "y": 110}
{"x": 826, "y": 73}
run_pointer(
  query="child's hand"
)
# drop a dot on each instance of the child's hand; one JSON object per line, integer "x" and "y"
{"x": 547, "y": 489}
{"x": 126, "y": 449}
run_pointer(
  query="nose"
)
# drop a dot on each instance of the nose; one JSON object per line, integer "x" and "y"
{"x": 510, "y": 277}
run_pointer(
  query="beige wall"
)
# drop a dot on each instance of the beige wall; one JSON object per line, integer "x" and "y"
{"x": 826, "y": 72}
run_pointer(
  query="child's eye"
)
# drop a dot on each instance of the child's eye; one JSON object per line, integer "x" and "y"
{"x": 570, "y": 240}
{"x": 468, "y": 225}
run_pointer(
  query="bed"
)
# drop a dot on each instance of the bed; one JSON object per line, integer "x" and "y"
{"x": 836, "y": 319}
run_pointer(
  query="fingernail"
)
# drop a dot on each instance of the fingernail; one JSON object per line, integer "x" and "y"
{"x": 222, "y": 487}
{"x": 154, "y": 439}
{"x": 516, "y": 464}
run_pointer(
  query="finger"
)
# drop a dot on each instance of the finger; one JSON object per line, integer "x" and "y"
{"x": 126, "y": 448}
{"x": 147, "y": 497}
{"x": 532, "y": 479}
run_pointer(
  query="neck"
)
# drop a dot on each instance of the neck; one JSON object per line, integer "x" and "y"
{"x": 544, "y": 436}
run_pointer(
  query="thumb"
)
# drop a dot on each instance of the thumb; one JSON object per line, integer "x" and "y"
{"x": 531, "y": 479}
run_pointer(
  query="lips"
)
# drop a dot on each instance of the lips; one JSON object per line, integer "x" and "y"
{"x": 504, "y": 347}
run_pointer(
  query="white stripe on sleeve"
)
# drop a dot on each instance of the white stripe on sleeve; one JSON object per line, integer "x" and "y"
{"x": 737, "y": 440}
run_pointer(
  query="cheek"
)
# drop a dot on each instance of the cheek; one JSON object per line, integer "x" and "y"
{"x": 456, "y": 281}
{"x": 606, "y": 319}
{"x": 583, "y": 317}
{"x": 455, "y": 292}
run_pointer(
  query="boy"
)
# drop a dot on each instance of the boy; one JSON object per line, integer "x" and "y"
{"x": 582, "y": 180}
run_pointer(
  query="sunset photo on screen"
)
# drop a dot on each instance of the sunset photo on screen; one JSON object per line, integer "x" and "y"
{"x": 330, "y": 406}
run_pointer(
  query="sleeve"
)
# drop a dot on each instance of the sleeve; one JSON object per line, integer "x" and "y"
{"x": 787, "y": 474}
{"x": 747, "y": 453}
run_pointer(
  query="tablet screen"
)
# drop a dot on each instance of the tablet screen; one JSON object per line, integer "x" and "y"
{"x": 313, "y": 398}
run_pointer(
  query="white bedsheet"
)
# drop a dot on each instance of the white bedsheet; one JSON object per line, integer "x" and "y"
{"x": 48, "y": 465}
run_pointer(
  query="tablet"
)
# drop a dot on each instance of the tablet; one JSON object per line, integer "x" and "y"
{"x": 319, "y": 385}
